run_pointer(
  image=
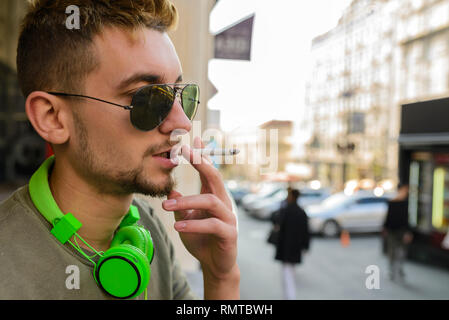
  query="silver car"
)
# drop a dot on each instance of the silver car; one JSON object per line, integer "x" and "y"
{"x": 362, "y": 211}
{"x": 264, "y": 208}
{"x": 252, "y": 199}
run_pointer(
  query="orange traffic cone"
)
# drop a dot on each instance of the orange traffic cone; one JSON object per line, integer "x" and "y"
{"x": 345, "y": 239}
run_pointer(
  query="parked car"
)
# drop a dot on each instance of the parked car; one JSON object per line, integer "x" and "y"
{"x": 264, "y": 208}
{"x": 362, "y": 211}
{"x": 238, "y": 194}
{"x": 253, "y": 198}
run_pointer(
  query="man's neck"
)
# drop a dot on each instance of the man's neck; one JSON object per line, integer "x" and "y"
{"x": 100, "y": 214}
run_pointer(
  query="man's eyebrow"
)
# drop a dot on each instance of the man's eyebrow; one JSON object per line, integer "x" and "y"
{"x": 143, "y": 77}
{"x": 139, "y": 77}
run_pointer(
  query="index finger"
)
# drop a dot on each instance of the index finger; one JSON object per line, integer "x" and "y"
{"x": 208, "y": 173}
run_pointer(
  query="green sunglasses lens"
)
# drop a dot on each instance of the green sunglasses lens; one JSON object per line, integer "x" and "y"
{"x": 190, "y": 100}
{"x": 151, "y": 105}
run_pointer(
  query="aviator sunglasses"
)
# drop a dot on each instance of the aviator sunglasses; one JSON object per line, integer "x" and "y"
{"x": 151, "y": 104}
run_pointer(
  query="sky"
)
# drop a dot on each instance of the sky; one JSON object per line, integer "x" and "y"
{"x": 272, "y": 84}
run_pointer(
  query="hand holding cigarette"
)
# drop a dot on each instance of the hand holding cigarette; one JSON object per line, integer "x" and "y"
{"x": 207, "y": 225}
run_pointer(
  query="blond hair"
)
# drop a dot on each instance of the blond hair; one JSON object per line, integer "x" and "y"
{"x": 52, "y": 57}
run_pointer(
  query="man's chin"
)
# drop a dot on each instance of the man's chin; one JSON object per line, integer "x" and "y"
{"x": 156, "y": 189}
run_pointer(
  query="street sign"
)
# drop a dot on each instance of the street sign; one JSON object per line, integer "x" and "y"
{"x": 235, "y": 41}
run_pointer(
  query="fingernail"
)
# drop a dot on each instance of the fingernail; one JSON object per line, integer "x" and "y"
{"x": 180, "y": 225}
{"x": 170, "y": 203}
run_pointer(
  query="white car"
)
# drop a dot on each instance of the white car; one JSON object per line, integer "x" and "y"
{"x": 264, "y": 208}
{"x": 252, "y": 199}
{"x": 360, "y": 212}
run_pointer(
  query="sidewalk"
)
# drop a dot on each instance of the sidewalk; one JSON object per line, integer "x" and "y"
{"x": 330, "y": 271}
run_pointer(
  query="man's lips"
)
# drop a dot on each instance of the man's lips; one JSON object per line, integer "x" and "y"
{"x": 163, "y": 154}
{"x": 165, "y": 160}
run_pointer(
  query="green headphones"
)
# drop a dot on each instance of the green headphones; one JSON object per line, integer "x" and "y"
{"x": 123, "y": 271}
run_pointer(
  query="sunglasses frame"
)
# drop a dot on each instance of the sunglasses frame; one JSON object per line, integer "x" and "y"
{"x": 177, "y": 92}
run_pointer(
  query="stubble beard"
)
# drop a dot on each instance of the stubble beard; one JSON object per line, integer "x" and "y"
{"x": 117, "y": 182}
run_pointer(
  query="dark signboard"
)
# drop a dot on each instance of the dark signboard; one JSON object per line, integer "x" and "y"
{"x": 235, "y": 42}
{"x": 425, "y": 117}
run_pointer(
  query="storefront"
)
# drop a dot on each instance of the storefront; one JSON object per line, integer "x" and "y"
{"x": 424, "y": 164}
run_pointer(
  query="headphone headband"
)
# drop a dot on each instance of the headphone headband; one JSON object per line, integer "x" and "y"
{"x": 41, "y": 195}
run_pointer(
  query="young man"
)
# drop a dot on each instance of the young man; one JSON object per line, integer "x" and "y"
{"x": 107, "y": 97}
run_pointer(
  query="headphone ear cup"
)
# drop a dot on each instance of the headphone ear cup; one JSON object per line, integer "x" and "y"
{"x": 123, "y": 271}
{"x": 149, "y": 246}
{"x": 136, "y": 236}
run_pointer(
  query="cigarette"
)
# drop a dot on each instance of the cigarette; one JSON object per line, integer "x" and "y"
{"x": 218, "y": 152}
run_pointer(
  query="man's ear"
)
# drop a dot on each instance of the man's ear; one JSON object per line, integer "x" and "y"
{"x": 48, "y": 117}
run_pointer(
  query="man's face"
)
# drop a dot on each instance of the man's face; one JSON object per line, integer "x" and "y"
{"x": 104, "y": 147}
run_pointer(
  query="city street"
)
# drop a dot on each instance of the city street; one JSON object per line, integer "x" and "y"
{"x": 330, "y": 271}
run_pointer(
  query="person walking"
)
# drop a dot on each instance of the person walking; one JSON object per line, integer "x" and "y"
{"x": 292, "y": 240}
{"x": 396, "y": 231}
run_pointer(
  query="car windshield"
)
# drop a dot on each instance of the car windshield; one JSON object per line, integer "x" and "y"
{"x": 268, "y": 193}
{"x": 335, "y": 200}
{"x": 311, "y": 194}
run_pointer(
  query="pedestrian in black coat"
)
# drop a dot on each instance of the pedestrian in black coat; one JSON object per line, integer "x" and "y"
{"x": 293, "y": 238}
{"x": 294, "y": 231}
{"x": 397, "y": 233}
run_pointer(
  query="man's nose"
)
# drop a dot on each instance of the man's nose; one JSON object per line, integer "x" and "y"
{"x": 176, "y": 119}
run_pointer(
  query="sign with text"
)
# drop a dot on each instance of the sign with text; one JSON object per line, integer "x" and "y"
{"x": 235, "y": 42}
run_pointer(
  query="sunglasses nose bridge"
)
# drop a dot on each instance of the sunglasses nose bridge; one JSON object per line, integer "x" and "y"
{"x": 178, "y": 95}
{"x": 178, "y": 101}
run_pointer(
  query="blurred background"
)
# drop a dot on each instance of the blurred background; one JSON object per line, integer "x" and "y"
{"x": 356, "y": 94}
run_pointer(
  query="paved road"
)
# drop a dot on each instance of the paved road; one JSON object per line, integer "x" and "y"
{"x": 330, "y": 271}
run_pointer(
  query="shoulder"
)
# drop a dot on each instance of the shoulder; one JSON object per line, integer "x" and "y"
{"x": 21, "y": 222}
{"x": 143, "y": 206}
{"x": 17, "y": 207}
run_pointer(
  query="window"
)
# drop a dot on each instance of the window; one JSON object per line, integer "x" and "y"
{"x": 371, "y": 200}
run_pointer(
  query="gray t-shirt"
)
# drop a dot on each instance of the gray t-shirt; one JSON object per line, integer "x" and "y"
{"x": 35, "y": 265}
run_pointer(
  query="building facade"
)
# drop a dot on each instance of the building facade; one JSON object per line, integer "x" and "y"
{"x": 350, "y": 96}
{"x": 381, "y": 55}
{"x": 423, "y": 37}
